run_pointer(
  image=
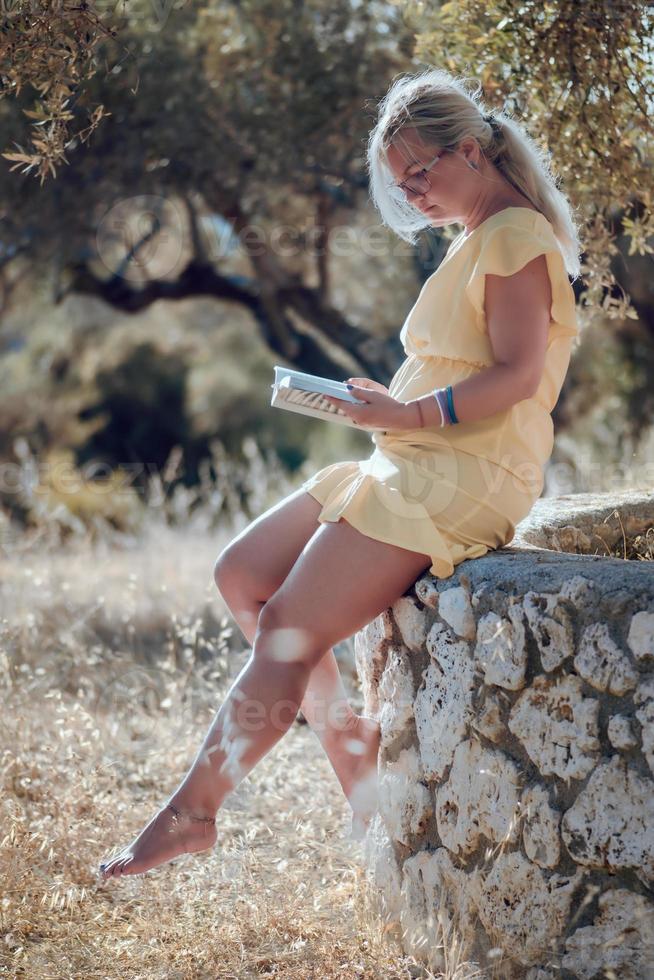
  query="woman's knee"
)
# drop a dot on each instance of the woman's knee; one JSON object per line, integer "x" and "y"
{"x": 239, "y": 578}
{"x": 284, "y": 637}
{"x": 230, "y": 572}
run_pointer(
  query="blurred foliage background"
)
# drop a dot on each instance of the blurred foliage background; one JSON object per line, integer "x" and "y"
{"x": 185, "y": 204}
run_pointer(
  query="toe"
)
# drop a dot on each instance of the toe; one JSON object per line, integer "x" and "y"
{"x": 127, "y": 866}
{"x": 104, "y": 868}
{"x": 109, "y": 867}
{"x": 124, "y": 859}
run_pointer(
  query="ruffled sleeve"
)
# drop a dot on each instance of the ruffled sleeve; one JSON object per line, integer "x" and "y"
{"x": 506, "y": 248}
{"x": 448, "y": 319}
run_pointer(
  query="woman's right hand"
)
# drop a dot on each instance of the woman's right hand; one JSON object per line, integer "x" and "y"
{"x": 367, "y": 383}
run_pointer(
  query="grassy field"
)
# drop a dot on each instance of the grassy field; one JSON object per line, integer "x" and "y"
{"x": 115, "y": 657}
{"x": 116, "y": 651}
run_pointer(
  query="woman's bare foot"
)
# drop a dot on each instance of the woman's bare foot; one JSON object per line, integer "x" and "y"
{"x": 359, "y": 779}
{"x": 166, "y": 836}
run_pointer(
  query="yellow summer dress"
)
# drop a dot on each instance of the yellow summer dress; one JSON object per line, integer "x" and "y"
{"x": 457, "y": 492}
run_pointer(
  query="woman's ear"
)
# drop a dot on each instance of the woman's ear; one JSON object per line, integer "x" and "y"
{"x": 470, "y": 151}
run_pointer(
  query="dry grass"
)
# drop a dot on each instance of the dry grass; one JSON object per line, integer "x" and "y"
{"x": 114, "y": 660}
{"x": 116, "y": 650}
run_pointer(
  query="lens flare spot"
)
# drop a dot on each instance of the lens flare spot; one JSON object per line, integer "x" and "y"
{"x": 288, "y": 644}
{"x": 355, "y": 746}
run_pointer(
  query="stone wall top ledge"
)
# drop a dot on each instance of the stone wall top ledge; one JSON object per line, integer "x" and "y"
{"x": 564, "y": 537}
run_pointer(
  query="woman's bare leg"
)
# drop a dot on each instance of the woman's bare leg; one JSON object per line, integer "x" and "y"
{"x": 322, "y": 601}
{"x": 247, "y": 573}
{"x": 351, "y": 741}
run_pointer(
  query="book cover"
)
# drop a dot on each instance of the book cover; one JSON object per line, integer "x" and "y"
{"x": 295, "y": 391}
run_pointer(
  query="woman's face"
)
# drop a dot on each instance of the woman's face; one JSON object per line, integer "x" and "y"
{"x": 449, "y": 177}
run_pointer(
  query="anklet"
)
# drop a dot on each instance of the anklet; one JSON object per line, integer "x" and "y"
{"x": 190, "y": 817}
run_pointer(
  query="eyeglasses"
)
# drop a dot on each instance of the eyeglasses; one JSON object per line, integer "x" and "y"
{"x": 419, "y": 182}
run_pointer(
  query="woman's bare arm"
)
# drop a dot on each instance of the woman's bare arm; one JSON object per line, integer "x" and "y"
{"x": 518, "y": 316}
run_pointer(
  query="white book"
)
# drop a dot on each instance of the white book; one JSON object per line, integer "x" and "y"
{"x": 303, "y": 393}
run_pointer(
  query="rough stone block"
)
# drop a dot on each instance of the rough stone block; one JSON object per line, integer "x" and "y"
{"x": 443, "y": 704}
{"x": 525, "y": 910}
{"x": 620, "y": 942}
{"x": 610, "y": 825}
{"x": 501, "y": 649}
{"x": 395, "y": 697}
{"x": 456, "y": 609}
{"x": 480, "y": 799}
{"x": 405, "y": 803}
{"x": 558, "y": 727}
{"x": 551, "y": 627}
{"x": 601, "y": 662}
{"x": 641, "y": 635}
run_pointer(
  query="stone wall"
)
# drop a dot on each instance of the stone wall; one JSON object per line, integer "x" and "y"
{"x": 516, "y": 702}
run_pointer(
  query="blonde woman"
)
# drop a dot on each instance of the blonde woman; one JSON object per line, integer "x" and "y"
{"x": 461, "y": 437}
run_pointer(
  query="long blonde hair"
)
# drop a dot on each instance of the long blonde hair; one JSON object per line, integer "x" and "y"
{"x": 438, "y": 104}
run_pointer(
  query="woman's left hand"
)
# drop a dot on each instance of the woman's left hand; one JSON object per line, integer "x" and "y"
{"x": 380, "y": 411}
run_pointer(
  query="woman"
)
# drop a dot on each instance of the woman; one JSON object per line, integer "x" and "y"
{"x": 461, "y": 438}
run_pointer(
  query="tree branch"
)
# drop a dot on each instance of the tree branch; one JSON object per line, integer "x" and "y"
{"x": 374, "y": 357}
